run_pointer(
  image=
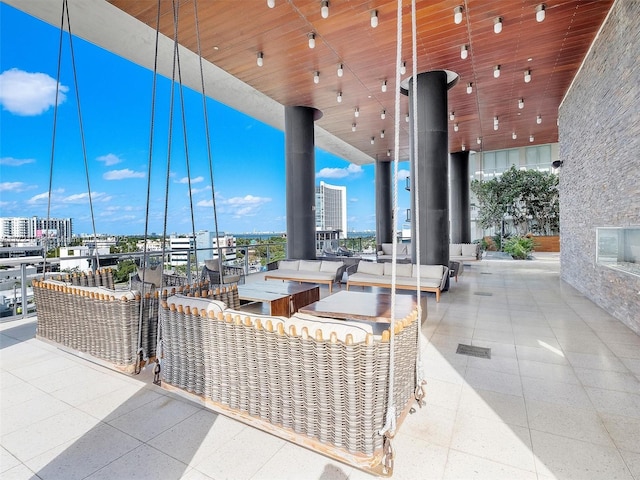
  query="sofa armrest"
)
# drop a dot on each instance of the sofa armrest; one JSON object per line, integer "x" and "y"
{"x": 445, "y": 277}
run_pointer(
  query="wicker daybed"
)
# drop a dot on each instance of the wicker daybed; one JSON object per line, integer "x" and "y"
{"x": 320, "y": 383}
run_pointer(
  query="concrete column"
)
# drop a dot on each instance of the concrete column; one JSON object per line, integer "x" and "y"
{"x": 460, "y": 213}
{"x": 430, "y": 169}
{"x": 300, "y": 181}
{"x": 384, "y": 209}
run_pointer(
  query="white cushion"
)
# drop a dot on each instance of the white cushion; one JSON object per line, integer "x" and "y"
{"x": 371, "y": 268}
{"x": 309, "y": 266}
{"x": 469, "y": 249}
{"x": 329, "y": 266}
{"x": 212, "y": 265}
{"x": 289, "y": 264}
{"x": 402, "y": 269}
{"x": 387, "y": 248}
{"x": 455, "y": 249}
{"x": 151, "y": 275}
{"x": 358, "y": 330}
{"x": 263, "y": 318}
{"x": 207, "y": 304}
{"x": 428, "y": 271}
{"x": 402, "y": 248}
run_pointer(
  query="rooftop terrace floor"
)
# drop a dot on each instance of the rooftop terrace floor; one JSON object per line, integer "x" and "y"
{"x": 559, "y": 398}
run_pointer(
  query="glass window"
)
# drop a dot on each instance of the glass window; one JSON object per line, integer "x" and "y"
{"x": 619, "y": 248}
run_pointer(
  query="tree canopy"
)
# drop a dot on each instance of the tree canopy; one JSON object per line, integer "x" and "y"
{"x": 528, "y": 198}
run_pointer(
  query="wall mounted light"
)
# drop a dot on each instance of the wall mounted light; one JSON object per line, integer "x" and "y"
{"x": 340, "y": 70}
{"x": 316, "y": 77}
{"x": 514, "y": 136}
{"x": 260, "y": 59}
{"x": 496, "y": 71}
{"x": 539, "y": 119}
{"x": 521, "y": 103}
{"x": 457, "y": 15}
{"x": 373, "y": 140}
{"x": 374, "y": 18}
{"x": 271, "y": 3}
{"x": 403, "y": 68}
{"x": 356, "y": 112}
{"x": 527, "y": 76}
{"x": 497, "y": 25}
{"x": 312, "y": 40}
{"x": 384, "y": 86}
{"x": 353, "y": 127}
{"x": 381, "y": 133}
{"x": 464, "y": 52}
{"x": 383, "y": 114}
{"x": 531, "y": 138}
{"x": 339, "y": 97}
{"x": 540, "y": 12}
{"x": 469, "y": 88}
{"x": 324, "y": 9}
{"x": 455, "y": 127}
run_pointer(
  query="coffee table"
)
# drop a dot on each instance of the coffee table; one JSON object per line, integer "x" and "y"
{"x": 284, "y": 299}
{"x": 369, "y": 306}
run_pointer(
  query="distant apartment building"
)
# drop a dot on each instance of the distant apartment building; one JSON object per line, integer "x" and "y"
{"x": 181, "y": 248}
{"x": 24, "y": 231}
{"x": 209, "y": 246}
{"x": 71, "y": 258}
{"x": 331, "y": 208}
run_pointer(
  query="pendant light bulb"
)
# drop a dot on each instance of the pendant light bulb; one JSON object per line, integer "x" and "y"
{"x": 527, "y": 76}
{"x": 495, "y": 123}
{"x": 540, "y": 12}
{"x": 406, "y": 118}
{"x": 271, "y": 3}
{"x": 464, "y": 52}
{"x": 324, "y": 9}
{"x": 339, "y": 97}
{"x": 382, "y": 134}
{"x": 374, "y": 18}
{"x": 531, "y": 138}
{"x": 384, "y": 86}
{"x": 496, "y": 71}
{"x": 383, "y": 114}
{"x": 478, "y": 140}
{"x": 452, "y": 116}
{"x": 316, "y": 77}
{"x": 353, "y": 127}
{"x": 340, "y": 70}
{"x": 260, "y": 59}
{"x": 539, "y": 119}
{"x": 521, "y": 103}
{"x": 469, "y": 88}
{"x": 356, "y": 112}
{"x": 312, "y": 40}
{"x": 455, "y": 127}
{"x": 373, "y": 140}
{"x": 514, "y": 136}
{"x": 457, "y": 15}
{"x": 464, "y": 147}
{"x": 403, "y": 68}
{"x": 497, "y": 25}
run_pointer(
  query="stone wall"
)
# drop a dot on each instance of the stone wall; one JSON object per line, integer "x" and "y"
{"x": 599, "y": 131}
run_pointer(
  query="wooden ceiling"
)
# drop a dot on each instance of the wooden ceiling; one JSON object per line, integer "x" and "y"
{"x": 232, "y": 32}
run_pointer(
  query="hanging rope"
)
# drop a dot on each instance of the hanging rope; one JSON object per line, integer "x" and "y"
{"x": 209, "y": 156}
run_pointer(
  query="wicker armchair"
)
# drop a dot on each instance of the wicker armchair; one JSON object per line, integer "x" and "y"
{"x": 230, "y": 274}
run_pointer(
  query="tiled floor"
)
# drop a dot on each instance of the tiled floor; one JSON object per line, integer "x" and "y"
{"x": 559, "y": 398}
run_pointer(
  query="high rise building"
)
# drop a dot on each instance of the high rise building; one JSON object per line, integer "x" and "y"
{"x": 55, "y": 232}
{"x": 331, "y": 208}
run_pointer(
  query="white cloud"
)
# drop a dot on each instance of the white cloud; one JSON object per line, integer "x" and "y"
{"x": 201, "y": 190}
{"x": 12, "y": 186}
{"x": 122, "y": 174}
{"x": 237, "y": 206}
{"x": 352, "y": 170}
{"x": 193, "y": 180}
{"x": 84, "y": 197}
{"x": 15, "y": 162}
{"x": 27, "y": 94}
{"x": 109, "y": 159}
{"x": 403, "y": 174}
{"x": 40, "y": 198}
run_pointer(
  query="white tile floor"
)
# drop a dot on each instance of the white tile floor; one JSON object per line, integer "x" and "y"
{"x": 559, "y": 398}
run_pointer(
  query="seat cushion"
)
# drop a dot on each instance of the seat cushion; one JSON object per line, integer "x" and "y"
{"x": 428, "y": 271}
{"x": 288, "y": 264}
{"x": 469, "y": 249}
{"x": 358, "y": 330}
{"x": 455, "y": 249}
{"x": 215, "y": 306}
{"x": 402, "y": 269}
{"x": 371, "y": 268}
{"x": 329, "y": 266}
{"x": 309, "y": 266}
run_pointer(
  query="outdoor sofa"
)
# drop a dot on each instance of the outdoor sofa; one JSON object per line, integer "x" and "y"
{"x": 433, "y": 278}
{"x": 464, "y": 252}
{"x": 308, "y": 271}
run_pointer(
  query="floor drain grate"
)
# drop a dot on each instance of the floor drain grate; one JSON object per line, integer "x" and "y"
{"x": 483, "y": 294}
{"x": 480, "y": 352}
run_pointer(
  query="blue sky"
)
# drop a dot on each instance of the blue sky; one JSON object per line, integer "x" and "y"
{"x": 115, "y": 97}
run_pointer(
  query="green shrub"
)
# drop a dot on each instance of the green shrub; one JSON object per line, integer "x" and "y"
{"x": 518, "y": 247}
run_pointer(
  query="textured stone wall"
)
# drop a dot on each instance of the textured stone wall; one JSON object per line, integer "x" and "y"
{"x": 599, "y": 131}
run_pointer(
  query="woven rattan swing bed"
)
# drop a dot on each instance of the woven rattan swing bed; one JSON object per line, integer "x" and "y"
{"x": 338, "y": 394}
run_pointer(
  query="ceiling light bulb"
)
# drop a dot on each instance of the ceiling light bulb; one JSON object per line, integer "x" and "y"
{"x": 514, "y": 136}
{"x": 464, "y": 52}
{"x": 384, "y": 86}
{"x": 464, "y": 147}
{"x": 531, "y": 138}
{"x": 382, "y": 134}
{"x": 340, "y": 70}
{"x": 271, "y": 3}
{"x": 374, "y": 19}
{"x": 339, "y": 97}
{"x": 406, "y": 119}
{"x": 469, "y": 88}
{"x": 521, "y": 103}
{"x": 495, "y": 123}
{"x": 527, "y": 76}
{"x": 478, "y": 140}
{"x": 388, "y": 153}
{"x": 496, "y": 71}
{"x": 312, "y": 40}
{"x": 316, "y": 77}
{"x": 260, "y": 59}
{"x": 373, "y": 140}
{"x": 356, "y": 112}
{"x": 403, "y": 68}
{"x": 353, "y": 127}
{"x": 455, "y": 127}
{"x": 324, "y": 9}
{"x": 539, "y": 119}
{"x": 540, "y": 12}
{"x": 497, "y": 25}
{"x": 457, "y": 15}
{"x": 383, "y": 114}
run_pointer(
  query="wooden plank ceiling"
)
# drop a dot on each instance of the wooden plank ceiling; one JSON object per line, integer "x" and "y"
{"x": 232, "y": 32}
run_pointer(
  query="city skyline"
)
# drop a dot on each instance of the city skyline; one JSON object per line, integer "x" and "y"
{"x": 115, "y": 97}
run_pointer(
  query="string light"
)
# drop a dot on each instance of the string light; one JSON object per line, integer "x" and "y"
{"x": 464, "y": 52}
{"x": 384, "y": 86}
{"x": 469, "y": 88}
{"x": 403, "y": 68}
{"x": 339, "y": 97}
{"x": 260, "y": 59}
{"x": 374, "y": 19}
{"x": 271, "y": 3}
{"x": 312, "y": 40}
{"x": 527, "y": 76}
{"x": 496, "y": 71}
{"x": 356, "y": 112}
{"x": 316, "y": 77}
{"x": 457, "y": 15}
{"x": 497, "y": 25}
{"x": 353, "y": 127}
{"x": 540, "y": 12}
{"x": 383, "y": 114}
{"x": 324, "y": 9}
{"x": 340, "y": 70}
{"x": 521, "y": 103}
{"x": 539, "y": 119}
